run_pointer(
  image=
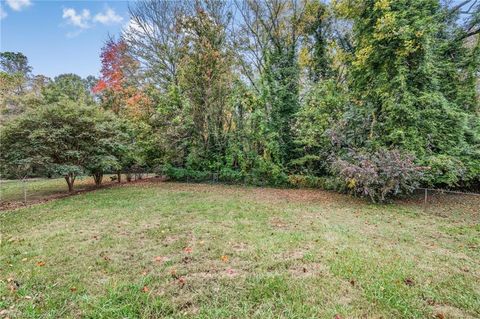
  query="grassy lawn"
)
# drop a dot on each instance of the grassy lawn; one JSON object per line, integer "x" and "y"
{"x": 41, "y": 188}
{"x": 170, "y": 250}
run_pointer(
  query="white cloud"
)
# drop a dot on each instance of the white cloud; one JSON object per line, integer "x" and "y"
{"x": 79, "y": 20}
{"x": 133, "y": 29}
{"x": 18, "y": 5}
{"x": 108, "y": 17}
{"x": 83, "y": 20}
{"x": 132, "y": 26}
{"x": 3, "y": 13}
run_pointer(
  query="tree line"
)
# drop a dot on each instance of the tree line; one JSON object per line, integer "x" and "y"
{"x": 369, "y": 97}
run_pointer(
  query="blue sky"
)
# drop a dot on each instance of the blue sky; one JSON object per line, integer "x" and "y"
{"x": 60, "y": 36}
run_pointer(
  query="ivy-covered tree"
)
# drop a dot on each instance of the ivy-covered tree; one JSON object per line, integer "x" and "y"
{"x": 205, "y": 78}
{"x": 395, "y": 74}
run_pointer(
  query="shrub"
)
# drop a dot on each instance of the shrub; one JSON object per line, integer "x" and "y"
{"x": 199, "y": 176}
{"x": 444, "y": 170}
{"x": 229, "y": 175}
{"x": 306, "y": 181}
{"x": 186, "y": 174}
{"x": 266, "y": 173}
{"x": 379, "y": 175}
{"x": 178, "y": 174}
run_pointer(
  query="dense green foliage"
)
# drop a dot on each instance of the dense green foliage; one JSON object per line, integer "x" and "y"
{"x": 62, "y": 139}
{"x": 412, "y": 93}
{"x": 256, "y": 91}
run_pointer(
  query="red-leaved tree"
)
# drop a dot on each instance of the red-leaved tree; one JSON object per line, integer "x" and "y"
{"x": 117, "y": 86}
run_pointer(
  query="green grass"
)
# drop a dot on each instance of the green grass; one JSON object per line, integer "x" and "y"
{"x": 154, "y": 250}
{"x": 40, "y": 188}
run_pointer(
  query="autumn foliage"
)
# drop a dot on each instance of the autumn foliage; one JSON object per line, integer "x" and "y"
{"x": 116, "y": 85}
{"x": 115, "y": 60}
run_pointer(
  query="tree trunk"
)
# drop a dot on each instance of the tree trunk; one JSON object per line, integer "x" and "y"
{"x": 98, "y": 178}
{"x": 119, "y": 177}
{"x": 70, "y": 178}
{"x": 129, "y": 177}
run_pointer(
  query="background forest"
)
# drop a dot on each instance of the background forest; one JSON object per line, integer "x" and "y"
{"x": 371, "y": 97}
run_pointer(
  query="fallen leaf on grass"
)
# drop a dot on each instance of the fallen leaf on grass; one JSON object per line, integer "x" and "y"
{"x": 73, "y": 289}
{"x": 440, "y": 316}
{"x": 181, "y": 281}
{"x": 40, "y": 263}
{"x": 13, "y": 285}
{"x": 409, "y": 282}
{"x": 158, "y": 259}
{"x": 337, "y": 316}
{"x": 188, "y": 250}
{"x": 224, "y": 258}
{"x": 145, "y": 289}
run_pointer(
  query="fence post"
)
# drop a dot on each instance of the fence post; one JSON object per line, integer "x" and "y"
{"x": 24, "y": 182}
{"x": 425, "y": 203}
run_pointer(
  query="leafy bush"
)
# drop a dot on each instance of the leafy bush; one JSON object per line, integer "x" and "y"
{"x": 175, "y": 173}
{"x": 229, "y": 175}
{"x": 199, "y": 176}
{"x": 186, "y": 174}
{"x": 264, "y": 173}
{"x": 267, "y": 173}
{"x": 306, "y": 181}
{"x": 379, "y": 175}
{"x": 444, "y": 170}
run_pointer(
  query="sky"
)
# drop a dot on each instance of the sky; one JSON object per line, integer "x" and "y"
{"x": 60, "y": 36}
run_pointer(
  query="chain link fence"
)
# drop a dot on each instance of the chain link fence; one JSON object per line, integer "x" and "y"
{"x": 27, "y": 190}
{"x": 434, "y": 196}
{"x": 32, "y": 189}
